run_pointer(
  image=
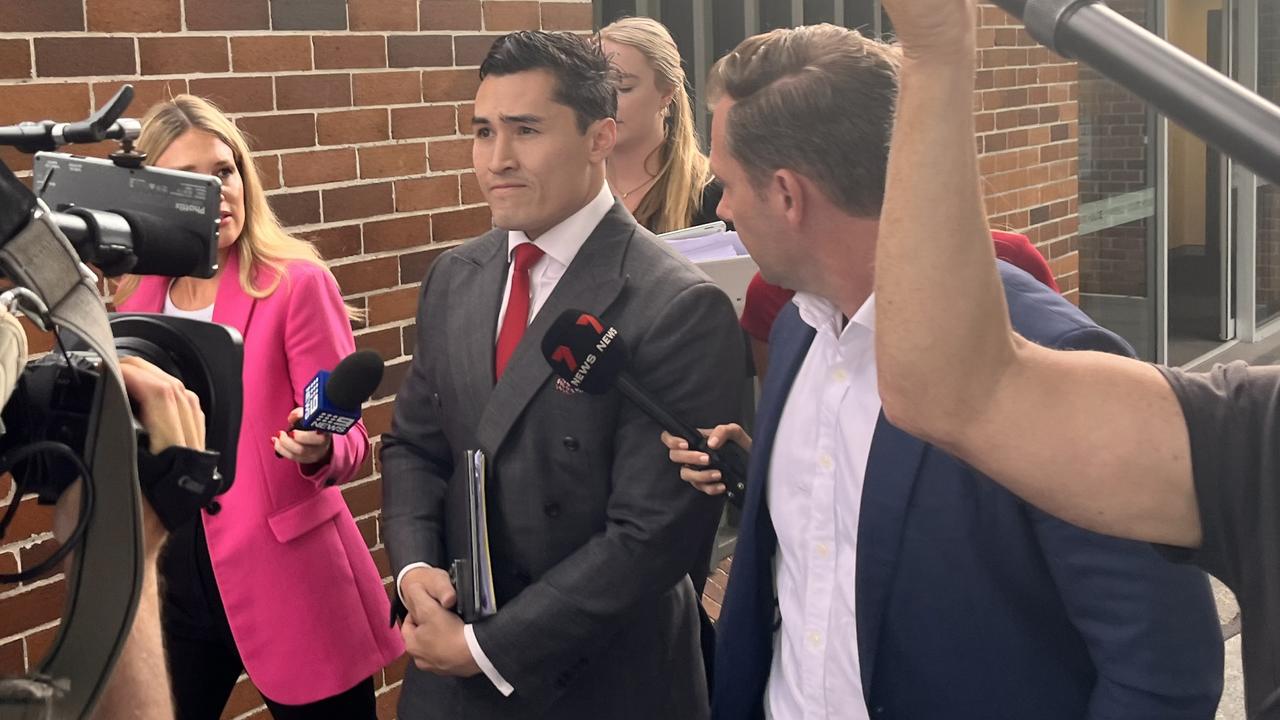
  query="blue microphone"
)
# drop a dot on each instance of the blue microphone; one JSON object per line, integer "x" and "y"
{"x": 332, "y": 400}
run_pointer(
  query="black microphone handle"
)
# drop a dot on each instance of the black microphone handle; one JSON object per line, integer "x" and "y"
{"x": 641, "y": 397}
{"x": 1217, "y": 109}
{"x": 730, "y": 459}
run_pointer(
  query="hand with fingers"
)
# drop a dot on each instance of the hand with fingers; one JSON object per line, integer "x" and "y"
{"x": 433, "y": 634}
{"x": 172, "y": 417}
{"x": 169, "y": 411}
{"x": 692, "y": 461}
{"x": 305, "y": 447}
{"x": 934, "y": 29}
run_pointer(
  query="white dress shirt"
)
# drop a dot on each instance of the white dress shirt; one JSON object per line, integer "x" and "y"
{"x": 815, "y": 495}
{"x": 560, "y": 245}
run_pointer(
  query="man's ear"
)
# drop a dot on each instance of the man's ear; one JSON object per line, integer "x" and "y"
{"x": 602, "y": 134}
{"x": 792, "y": 192}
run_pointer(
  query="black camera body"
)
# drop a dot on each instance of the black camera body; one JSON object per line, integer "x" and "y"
{"x": 54, "y": 396}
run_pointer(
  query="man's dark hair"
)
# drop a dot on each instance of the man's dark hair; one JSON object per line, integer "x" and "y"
{"x": 584, "y": 77}
{"x": 817, "y": 99}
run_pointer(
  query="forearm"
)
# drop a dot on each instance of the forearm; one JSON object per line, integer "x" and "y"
{"x": 943, "y": 334}
{"x": 346, "y": 455}
{"x": 138, "y": 688}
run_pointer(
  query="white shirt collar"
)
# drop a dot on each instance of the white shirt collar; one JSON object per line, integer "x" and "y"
{"x": 822, "y": 315}
{"x": 563, "y": 241}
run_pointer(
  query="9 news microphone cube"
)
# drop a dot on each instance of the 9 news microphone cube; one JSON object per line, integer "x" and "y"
{"x": 318, "y": 413}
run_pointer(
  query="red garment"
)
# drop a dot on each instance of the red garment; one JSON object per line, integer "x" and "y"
{"x": 517, "y": 317}
{"x": 1018, "y": 251}
{"x": 765, "y": 301}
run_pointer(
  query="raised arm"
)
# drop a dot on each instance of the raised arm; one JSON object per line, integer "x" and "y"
{"x": 1104, "y": 443}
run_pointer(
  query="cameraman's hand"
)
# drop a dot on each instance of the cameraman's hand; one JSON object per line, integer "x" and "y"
{"x": 171, "y": 415}
{"x": 169, "y": 411}
{"x": 305, "y": 447}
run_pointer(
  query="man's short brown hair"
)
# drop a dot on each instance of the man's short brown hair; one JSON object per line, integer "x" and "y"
{"x": 817, "y": 99}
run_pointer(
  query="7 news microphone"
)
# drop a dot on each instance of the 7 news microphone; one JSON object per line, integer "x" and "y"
{"x": 592, "y": 357}
{"x": 332, "y": 400}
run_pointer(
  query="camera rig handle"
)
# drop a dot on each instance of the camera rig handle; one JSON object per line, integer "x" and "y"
{"x": 104, "y": 124}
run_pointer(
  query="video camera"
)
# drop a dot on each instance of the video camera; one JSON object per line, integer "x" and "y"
{"x": 122, "y": 217}
{"x": 67, "y": 416}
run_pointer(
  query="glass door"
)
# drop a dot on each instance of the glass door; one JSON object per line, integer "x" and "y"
{"x": 1262, "y": 50}
{"x": 1201, "y": 229}
{"x": 1119, "y": 228}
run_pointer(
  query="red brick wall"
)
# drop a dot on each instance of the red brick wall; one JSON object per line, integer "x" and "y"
{"x": 354, "y": 108}
{"x": 1026, "y": 112}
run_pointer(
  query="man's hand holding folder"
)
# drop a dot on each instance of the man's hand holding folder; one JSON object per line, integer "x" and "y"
{"x": 433, "y": 632}
{"x": 439, "y": 603}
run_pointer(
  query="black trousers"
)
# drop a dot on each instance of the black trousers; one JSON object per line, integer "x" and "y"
{"x": 204, "y": 663}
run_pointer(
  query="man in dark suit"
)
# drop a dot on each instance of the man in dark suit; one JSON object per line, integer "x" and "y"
{"x": 592, "y": 533}
{"x": 874, "y": 575}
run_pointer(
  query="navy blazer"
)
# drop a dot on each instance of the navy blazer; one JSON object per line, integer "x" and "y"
{"x": 972, "y": 604}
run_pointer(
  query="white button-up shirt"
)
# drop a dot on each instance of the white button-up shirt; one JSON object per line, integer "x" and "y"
{"x": 560, "y": 245}
{"x": 815, "y": 495}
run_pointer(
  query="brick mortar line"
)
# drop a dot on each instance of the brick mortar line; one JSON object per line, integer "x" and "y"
{"x": 201, "y": 34}
{"x": 223, "y": 74}
{"x": 375, "y": 218}
{"x": 386, "y": 326}
{"x": 28, "y": 633}
{"x": 366, "y": 144}
{"x": 354, "y": 182}
{"x": 24, "y": 544}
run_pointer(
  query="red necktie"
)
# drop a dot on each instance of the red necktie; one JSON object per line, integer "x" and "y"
{"x": 513, "y": 323}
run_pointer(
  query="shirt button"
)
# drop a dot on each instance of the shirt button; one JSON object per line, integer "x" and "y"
{"x": 839, "y": 375}
{"x": 814, "y": 639}
{"x": 825, "y": 462}
{"x": 822, "y": 550}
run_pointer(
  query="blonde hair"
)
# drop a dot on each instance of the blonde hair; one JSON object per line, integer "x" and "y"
{"x": 676, "y": 197}
{"x": 263, "y": 242}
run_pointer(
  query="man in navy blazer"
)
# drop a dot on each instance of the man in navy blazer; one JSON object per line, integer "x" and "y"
{"x": 876, "y": 576}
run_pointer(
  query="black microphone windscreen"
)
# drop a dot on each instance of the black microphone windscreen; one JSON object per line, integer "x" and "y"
{"x": 354, "y": 380}
{"x": 161, "y": 248}
{"x": 584, "y": 352}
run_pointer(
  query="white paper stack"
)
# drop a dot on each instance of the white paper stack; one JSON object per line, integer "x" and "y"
{"x": 720, "y": 254}
{"x": 705, "y": 242}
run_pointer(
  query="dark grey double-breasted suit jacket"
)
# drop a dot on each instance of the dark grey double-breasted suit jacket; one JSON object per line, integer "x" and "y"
{"x": 592, "y": 531}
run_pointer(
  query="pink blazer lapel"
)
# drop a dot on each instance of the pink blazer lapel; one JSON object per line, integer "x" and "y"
{"x": 233, "y": 305}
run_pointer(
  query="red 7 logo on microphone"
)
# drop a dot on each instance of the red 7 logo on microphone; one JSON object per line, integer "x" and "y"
{"x": 565, "y": 355}
{"x": 585, "y": 319}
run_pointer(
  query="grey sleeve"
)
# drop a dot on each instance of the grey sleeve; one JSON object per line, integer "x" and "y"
{"x": 1230, "y": 413}
{"x": 416, "y": 463}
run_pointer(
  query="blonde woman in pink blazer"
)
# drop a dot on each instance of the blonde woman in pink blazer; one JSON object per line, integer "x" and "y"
{"x": 279, "y": 583}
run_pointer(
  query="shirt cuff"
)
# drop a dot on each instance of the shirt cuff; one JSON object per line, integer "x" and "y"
{"x": 482, "y": 660}
{"x": 404, "y": 571}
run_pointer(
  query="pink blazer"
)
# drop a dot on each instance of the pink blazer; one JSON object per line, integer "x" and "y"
{"x": 305, "y": 602}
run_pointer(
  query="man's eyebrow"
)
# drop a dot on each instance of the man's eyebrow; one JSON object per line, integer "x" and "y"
{"x": 508, "y": 120}
{"x": 527, "y": 119}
